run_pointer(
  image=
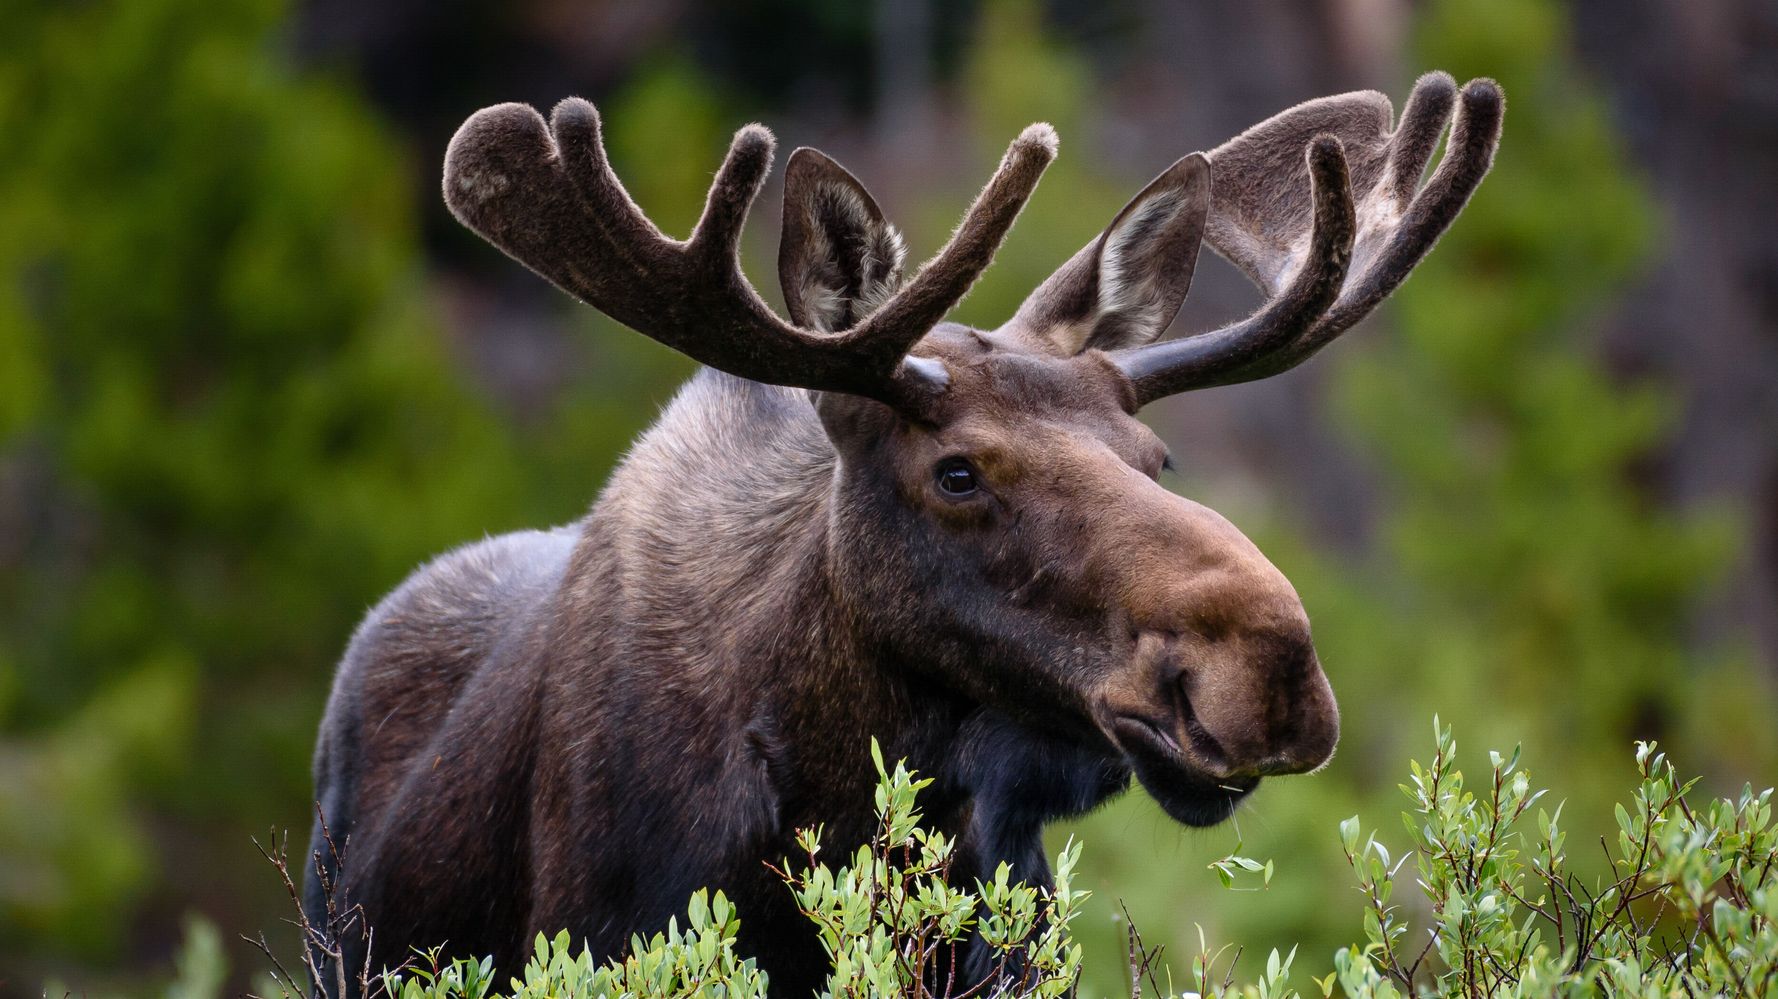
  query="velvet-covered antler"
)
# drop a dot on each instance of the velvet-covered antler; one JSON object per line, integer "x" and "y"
{"x": 1299, "y": 241}
{"x": 548, "y": 197}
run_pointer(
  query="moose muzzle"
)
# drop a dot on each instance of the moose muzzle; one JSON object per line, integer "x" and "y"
{"x": 1222, "y": 685}
{"x": 1233, "y": 708}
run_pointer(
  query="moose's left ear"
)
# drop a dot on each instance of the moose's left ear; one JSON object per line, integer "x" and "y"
{"x": 838, "y": 259}
{"x": 1125, "y": 287}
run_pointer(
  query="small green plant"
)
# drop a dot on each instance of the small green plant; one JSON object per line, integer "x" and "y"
{"x": 1690, "y": 908}
{"x": 890, "y": 919}
{"x": 698, "y": 961}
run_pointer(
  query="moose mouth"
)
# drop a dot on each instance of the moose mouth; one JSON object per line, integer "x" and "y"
{"x": 1183, "y": 787}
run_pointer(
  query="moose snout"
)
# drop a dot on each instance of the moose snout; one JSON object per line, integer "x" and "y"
{"x": 1221, "y": 685}
{"x": 1233, "y": 708}
{"x": 1259, "y": 707}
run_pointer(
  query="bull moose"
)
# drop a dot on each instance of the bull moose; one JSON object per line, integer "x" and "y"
{"x": 860, "y": 520}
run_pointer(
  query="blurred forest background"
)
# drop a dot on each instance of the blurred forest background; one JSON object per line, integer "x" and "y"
{"x": 251, "y": 373}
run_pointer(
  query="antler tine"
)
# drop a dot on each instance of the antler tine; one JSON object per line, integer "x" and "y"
{"x": 577, "y": 134}
{"x": 1172, "y": 366}
{"x": 1422, "y": 121}
{"x": 1397, "y": 227}
{"x": 547, "y": 196}
{"x": 742, "y": 174}
{"x": 943, "y": 281}
{"x": 1474, "y": 137}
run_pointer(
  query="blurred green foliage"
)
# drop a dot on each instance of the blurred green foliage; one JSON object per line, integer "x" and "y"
{"x": 230, "y": 418}
{"x": 1015, "y": 75}
{"x": 229, "y": 421}
{"x": 234, "y": 418}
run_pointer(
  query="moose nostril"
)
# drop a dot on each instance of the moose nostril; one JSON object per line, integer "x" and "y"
{"x": 1202, "y": 742}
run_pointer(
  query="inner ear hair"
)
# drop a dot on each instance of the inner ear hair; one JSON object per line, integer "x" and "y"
{"x": 1131, "y": 300}
{"x": 1148, "y": 254}
{"x": 839, "y": 259}
{"x": 1126, "y": 286}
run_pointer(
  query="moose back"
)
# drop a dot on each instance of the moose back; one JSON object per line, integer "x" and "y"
{"x": 858, "y": 520}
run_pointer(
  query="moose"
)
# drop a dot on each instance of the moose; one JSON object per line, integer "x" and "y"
{"x": 860, "y": 520}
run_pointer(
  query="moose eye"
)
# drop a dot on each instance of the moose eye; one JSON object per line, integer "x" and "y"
{"x": 956, "y": 477}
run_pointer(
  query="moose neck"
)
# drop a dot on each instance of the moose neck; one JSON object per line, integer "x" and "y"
{"x": 710, "y": 552}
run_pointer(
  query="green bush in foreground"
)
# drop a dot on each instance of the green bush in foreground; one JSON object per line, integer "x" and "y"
{"x": 1691, "y": 909}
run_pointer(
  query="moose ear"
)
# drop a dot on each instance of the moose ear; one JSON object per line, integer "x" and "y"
{"x": 1125, "y": 287}
{"x": 838, "y": 259}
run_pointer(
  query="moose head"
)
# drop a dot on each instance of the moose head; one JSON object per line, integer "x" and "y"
{"x": 992, "y": 515}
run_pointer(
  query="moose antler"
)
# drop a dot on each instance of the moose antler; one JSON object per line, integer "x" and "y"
{"x": 548, "y": 197}
{"x": 1298, "y": 242}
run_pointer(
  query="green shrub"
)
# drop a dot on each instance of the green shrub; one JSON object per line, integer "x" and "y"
{"x": 1691, "y": 908}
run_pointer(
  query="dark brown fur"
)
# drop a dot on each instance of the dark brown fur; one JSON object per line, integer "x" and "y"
{"x": 577, "y": 728}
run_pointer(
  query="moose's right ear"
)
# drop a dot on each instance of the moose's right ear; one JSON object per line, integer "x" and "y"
{"x": 1125, "y": 287}
{"x": 838, "y": 259}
